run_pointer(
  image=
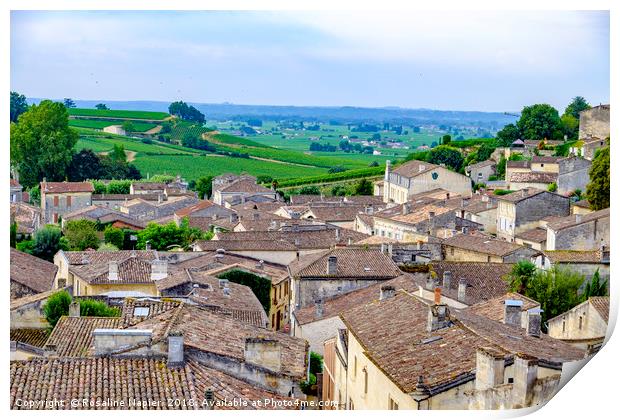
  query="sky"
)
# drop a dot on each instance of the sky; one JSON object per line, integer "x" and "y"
{"x": 456, "y": 60}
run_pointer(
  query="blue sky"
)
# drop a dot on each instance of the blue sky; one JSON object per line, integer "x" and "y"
{"x": 461, "y": 60}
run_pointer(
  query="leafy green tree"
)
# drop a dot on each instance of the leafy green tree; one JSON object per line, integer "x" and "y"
{"x": 520, "y": 276}
{"x": 595, "y": 287}
{"x": 18, "y": 106}
{"x": 553, "y": 187}
{"x": 446, "y": 139}
{"x": 449, "y": 156}
{"x": 540, "y": 121}
{"x": 598, "y": 190}
{"x": 170, "y": 235}
{"x": 56, "y": 306}
{"x": 101, "y": 107}
{"x": 92, "y": 307}
{"x": 68, "y": 103}
{"x": 570, "y": 125}
{"x": 507, "y": 135}
{"x": 114, "y": 236}
{"x": 128, "y": 127}
{"x": 577, "y": 105}
{"x": 261, "y": 286}
{"x": 363, "y": 187}
{"x": 47, "y": 242}
{"x": 84, "y": 165}
{"x": 310, "y": 190}
{"x": 118, "y": 153}
{"x": 120, "y": 186}
{"x": 316, "y": 363}
{"x": 484, "y": 152}
{"x": 204, "y": 186}
{"x": 336, "y": 169}
{"x": 81, "y": 235}
{"x": 339, "y": 190}
{"x": 42, "y": 143}
{"x": 13, "y": 234}
{"x": 26, "y": 246}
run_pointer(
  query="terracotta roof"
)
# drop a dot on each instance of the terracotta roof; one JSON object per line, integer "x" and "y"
{"x": 128, "y": 197}
{"x": 413, "y": 168}
{"x": 201, "y": 205}
{"x": 367, "y": 219}
{"x": 524, "y": 164}
{"x": 336, "y": 213}
{"x": 351, "y": 263}
{"x": 494, "y": 308}
{"x": 394, "y": 336}
{"x": 268, "y": 206}
{"x": 421, "y": 214}
{"x": 27, "y": 217}
{"x": 479, "y": 206}
{"x": 482, "y": 244}
{"x": 27, "y": 300}
{"x": 142, "y": 186}
{"x": 297, "y": 199}
{"x": 482, "y": 164}
{"x": 336, "y": 305}
{"x": 601, "y": 304}
{"x": 577, "y": 219}
{"x": 103, "y": 215}
{"x": 214, "y": 264}
{"x": 66, "y": 187}
{"x": 32, "y": 272}
{"x": 569, "y": 256}
{"x": 132, "y": 270}
{"x": 154, "y": 307}
{"x": 73, "y": 336}
{"x": 95, "y": 257}
{"x": 35, "y": 337}
{"x": 534, "y": 235}
{"x": 546, "y": 159}
{"x": 536, "y": 177}
{"x": 484, "y": 280}
{"x": 582, "y": 203}
{"x": 245, "y": 186}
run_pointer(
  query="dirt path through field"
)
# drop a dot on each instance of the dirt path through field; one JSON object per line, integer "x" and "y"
{"x": 154, "y": 130}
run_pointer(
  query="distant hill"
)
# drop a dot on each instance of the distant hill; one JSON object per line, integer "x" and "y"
{"x": 343, "y": 114}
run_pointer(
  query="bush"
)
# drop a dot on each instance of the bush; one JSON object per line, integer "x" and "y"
{"x": 553, "y": 187}
{"x": 107, "y": 247}
{"x": 56, "y": 306}
{"x": 259, "y": 285}
{"x": 91, "y": 307}
{"x": 114, "y": 236}
{"x": 316, "y": 363}
{"x": 47, "y": 242}
{"x": 81, "y": 235}
{"x": 306, "y": 386}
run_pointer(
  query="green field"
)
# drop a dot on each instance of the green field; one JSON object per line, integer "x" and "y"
{"x": 113, "y": 113}
{"x": 182, "y": 128}
{"x": 193, "y": 167}
{"x": 139, "y": 127}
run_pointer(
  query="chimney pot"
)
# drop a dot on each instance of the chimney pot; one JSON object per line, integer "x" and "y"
{"x": 462, "y": 291}
{"x": 534, "y": 321}
{"x": 175, "y": 348}
{"x": 113, "y": 270}
{"x": 578, "y": 218}
{"x": 74, "y": 308}
{"x": 332, "y": 265}
{"x": 512, "y": 312}
{"x": 318, "y": 307}
{"x": 159, "y": 269}
{"x": 437, "y": 296}
{"x": 386, "y": 292}
{"x": 447, "y": 278}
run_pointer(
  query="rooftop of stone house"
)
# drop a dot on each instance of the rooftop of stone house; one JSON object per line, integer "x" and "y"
{"x": 537, "y": 235}
{"x": 482, "y": 164}
{"x": 33, "y": 272}
{"x": 66, "y": 187}
{"x": 350, "y": 262}
{"x": 523, "y": 164}
{"x": 245, "y": 186}
{"x": 483, "y": 244}
{"x": 534, "y": 177}
{"x": 413, "y": 168}
{"x": 35, "y": 337}
{"x": 570, "y": 256}
{"x": 577, "y": 219}
{"x": 522, "y": 194}
{"x": 393, "y": 333}
{"x": 493, "y": 308}
{"x": 26, "y": 216}
{"x": 601, "y": 304}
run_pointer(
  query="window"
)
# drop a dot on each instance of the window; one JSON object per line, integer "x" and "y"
{"x": 140, "y": 311}
{"x": 55, "y": 201}
{"x": 451, "y": 251}
{"x": 351, "y": 404}
{"x": 488, "y": 258}
{"x": 354, "y": 366}
{"x": 580, "y": 322}
{"x": 392, "y": 405}
{"x": 563, "y": 326}
{"x": 365, "y": 380}
{"x": 68, "y": 201}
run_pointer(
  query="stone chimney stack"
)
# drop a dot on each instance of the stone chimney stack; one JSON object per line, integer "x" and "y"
{"x": 74, "y": 308}
{"x": 447, "y": 279}
{"x": 388, "y": 167}
{"x": 512, "y": 312}
{"x": 349, "y": 241}
{"x": 223, "y": 283}
{"x": 387, "y": 291}
{"x": 406, "y": 208}
{"x": 525, "y": 375}
{"x": 260, "y": 264}
{"x": 577, "y": 218}
{"x": 383, "y": 248}
{"x": 337, "y": 234}
{"x": 113, "y": 270}
{"x": 159, "y": 269}
{"x": 264, "y": 352}
{"x": 430, "y": 282}
{"x": 175, "y": 348}
{"x": 332, "y": 265}
{"x": 462, "y": 291}
{"x": 438, "y": 315}
{"x": 489, "y": 368}
{"x": 534, "y": 321}
{"x": 437, "y": 296}
{"x": 234, "y": 218}
{"x": 255, "y": 216}
{"x": 318, "y": 307}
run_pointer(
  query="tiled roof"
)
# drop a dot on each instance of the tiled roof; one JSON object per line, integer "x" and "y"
{"x": 214, "y": 264}
{"x": 482, "y": 164}
{"x": 27, "y": 217}
{"x": 394, "y": 336}
{"x": 534, "y": 235}
{"x": 66, "y": 187}
{"x": 27, "y": 300}
{"x": 128, "y": 197}
{"x": 213, "y": 332}
{"x": 34, "y": 273}
{"x": 351, "y": 263}
{"x": 570, "y": 256}
{"x": 268, "y": 206}
{"x": 413, "y": 168}
{"x": 367, "y": 219}
{"x": 524, "y": 164}
{"x": 479, "y": 206}
{"x": 95, "y": 257}
{"x": 142, "y": 186}
{"x": 154, "y": 308}
{"x": 336, "y": 305}
{"x": 132, "y": 270}
{"x": 336, "y": 213}
{"x": 546, "y": 159}
{"x": 246, "y": 186}
{"x": 537, "y": 177}
{"x": 493, "y": 308}
{"x": 482, "y": 244}
{"x": 201, "y": 205}
{"x": 484, "y": 280}
{"x": 582, "y": 203}
{"x": 103, "y": 215}
{"x": 35, "y": 337}
{"x": 421, "y": 214}
{"x": 577, "y": 219}
{"x": 73, "y": 336}
{"x": 601, "y": 304}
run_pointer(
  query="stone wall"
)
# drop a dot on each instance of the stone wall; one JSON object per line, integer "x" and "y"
{"x": 594, "y": 122}
{"x": 582, "y": 237}
{"x": 574, "y": 174}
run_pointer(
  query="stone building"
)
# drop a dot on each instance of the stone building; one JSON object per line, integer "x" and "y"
{"x": 233, "y": 189}
{"x": 480, "y": 172}
{"x": 415, "y": 177}
{"x": 583, "y": 262}
{"x": 579, "y": 232}
{"x": 522, "y": 210}
{"x": 594, "y": 122}
{"x": 574, "y": 174}
{"x": 16, "y": 191}
{"x": 584, "y": 326}
{"x": 27, "y": 217}
{"x": 58, "y": 198}
{"x": 481, "y": 248}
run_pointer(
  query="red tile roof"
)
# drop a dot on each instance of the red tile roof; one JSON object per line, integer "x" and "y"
{"x": 32, "y": 272}
{"x": 66, "y": 187}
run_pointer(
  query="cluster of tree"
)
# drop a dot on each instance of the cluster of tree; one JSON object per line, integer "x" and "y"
{"x": 556, "y": 289}
{"x": 347, "y": 146}
{"x": 186, "y": 112}
{"x": 446, "y": 155}
{"x": 261, "y": 286}
{"x": 193, "y": 141}
{"x": 599, "y": 188}
{"x": 120, "y": 186}
{"x": 68, "y": 103}
{"x": 88, "y": 165}
{"x": 247, "y": 130}
{"x": 204, "y": 187}
{"x": 45, "y": 243}
{"x": 57, "y": 306}
{"x": 318, "y": 147}
{"x": 361, "y": 187}
{"x": 254, "y": 122}
{"x": 101, "y": 107}
{"x": 542, "y": 121}
{"x": 18, "y": 105}
{"x": 369, "y": 128}
{"x": 164, "y": 237}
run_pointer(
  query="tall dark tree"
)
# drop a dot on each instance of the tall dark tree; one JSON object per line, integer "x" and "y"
{"x": 101, "y": 107}
{"x": 18, "y": 105}
{"x": 508, "y": 134}
{"x": 68, "y": 102}
{"x": 449, "y": 156}
{"x": 540, "y": 121}
{"x": 186, "y": 112}
{"x": 85, "y": 164}
{"x": 577, "y": 105}
{"x": 203, "y": 187}
{"x": 42, "y": 143}
{"x": 598, "y": 190}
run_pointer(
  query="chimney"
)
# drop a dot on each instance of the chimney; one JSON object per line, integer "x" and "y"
{"x": 437, "y": 296}
{"x": 465, "y": 230}
{"x": 430, "y": 282}
{"x": 175, "y": 348}
{"x": 234, "y": 218}
{"x": 421, "y": 168}
{"x": 332, "y": 265}
{"x": 438, "y": 315}
{"x": 113, "y": 270}
{"x": 337, "y": 234}
{"x": 447, "y": 196}
{"x": 447, "y": 278}
{"x": 273, "y": 225}
{"x": 318, "y": 307}
{"x": 512, "y": 312}
{"x": 525, "y": 374}
{"x": 368, "y": 210}
{"x": 577, "y": 218}
{"x": 387, "y": 291}
{"x": 159, "y": 200}
{"x": 383, "y": 247}
{"x": 260, "y": 264}
{"x": 534, "y": 321}
{"x": 524, "y": 192}
{"x": 462, "y": 291}
{"x": 226, "y": 292}
{"x": 223, "y": 283}
{"x": 106, "y": 340}
{"x": 297, "y": 242}
{"x": 489, "y": 368}
{"x": 388, "y": 166}
{"x": 389, "y": 249}
{"x": 349, "y": 241}
{"x": 74, "y": 308}
{"x": 264, "y": 352}
{"x": 406, "y": 208}
{"x": 159, "y": 269}
{"x": 431, "y": 214}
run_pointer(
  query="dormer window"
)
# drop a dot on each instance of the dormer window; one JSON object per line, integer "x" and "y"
{"x": 141, "y": 311}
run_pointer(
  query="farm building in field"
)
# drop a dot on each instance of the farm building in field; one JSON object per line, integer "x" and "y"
{"x": 115, "y": 129}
